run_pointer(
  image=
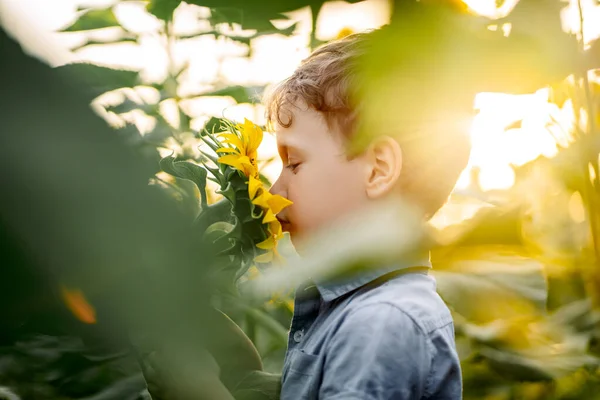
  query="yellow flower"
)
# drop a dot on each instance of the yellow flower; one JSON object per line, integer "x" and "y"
{"x": 255, "y": 187}
{"x": 78, "y": 304}
{"x": 242, "y": 156}
{"x": 271, "y": 204}
{"x": 345, "y": 31}
{"x": 270, "y": 244}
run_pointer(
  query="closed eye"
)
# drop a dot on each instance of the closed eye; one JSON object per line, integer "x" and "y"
{"x": 293, "y": 167}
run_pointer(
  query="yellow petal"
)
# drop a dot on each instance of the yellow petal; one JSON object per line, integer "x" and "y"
{"x": 250, "y": 170}
{"x": 227, "y": 150}
{"x": 254, "y": 135}
{"x": 233, "y": 139}
{"x": 249, "y": 167}
{"x": 263, "y": 200}
{"x": 267, "y": 244}
{"x": 275, "y": 229}
{"x": 264, "y": 258}
{"x": 278, "y": 203}
{"x": 253, "y": 272}
{"x": 234, "y": 160}
{"x": 253, "y": 186}
{"x": 269, "y": 217}
{"x": 79, "y": 306}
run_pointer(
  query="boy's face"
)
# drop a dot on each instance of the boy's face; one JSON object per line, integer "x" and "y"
{"x": 316, "y": 175}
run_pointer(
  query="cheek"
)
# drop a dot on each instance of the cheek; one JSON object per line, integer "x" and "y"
{"x": 323, "y": 193}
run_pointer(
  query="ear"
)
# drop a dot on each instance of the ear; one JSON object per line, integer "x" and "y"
{"x": 384, "y": 165}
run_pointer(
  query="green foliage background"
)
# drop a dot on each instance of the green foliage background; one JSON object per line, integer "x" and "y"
{"x": 521, "y": 277}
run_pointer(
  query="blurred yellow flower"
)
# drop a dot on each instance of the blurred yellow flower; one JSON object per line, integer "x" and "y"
{"x": 345, "y": 31}
{"x": 78, "y": 305}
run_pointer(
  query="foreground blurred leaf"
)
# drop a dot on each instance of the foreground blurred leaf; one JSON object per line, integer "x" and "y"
{"x": 487, "y": 283}
{"x": 176, "y": 371}
{"x": 232, "y": 349}
{"x": 379, "y": 235}
{"x": 121, "y": 241}
{"x": 258, "y": 385}
{"x": 443, "y": 58}
{"x": 531, "y": 349}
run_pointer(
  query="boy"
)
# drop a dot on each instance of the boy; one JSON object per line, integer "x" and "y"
{"x": 384, "y": 334}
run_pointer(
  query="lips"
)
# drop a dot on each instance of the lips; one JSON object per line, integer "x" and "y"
{"x": 285, "y": 224}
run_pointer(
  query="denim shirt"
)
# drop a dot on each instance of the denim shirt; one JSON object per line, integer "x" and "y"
{"x": 385, "y": 334}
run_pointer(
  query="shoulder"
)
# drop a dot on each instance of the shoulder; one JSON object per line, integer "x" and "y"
{"x": 405, "y": 298}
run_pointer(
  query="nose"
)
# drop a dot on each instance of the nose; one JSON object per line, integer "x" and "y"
{"x": 278, "y": 187}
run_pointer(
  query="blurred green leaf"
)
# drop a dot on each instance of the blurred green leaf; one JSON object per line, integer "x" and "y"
{"x": 212, "y": 125}
{"x": 126, "y": 106}
{"x": 232, "y": 349}
{"x": 93, "y": 19}
{"x": 484, "y": 284}
{"x": 93, "y": 42}
{"x": 96, "y": 80}
{"x": 532, "y": 367}
{"x": 241, "y": 94}
{"x": 255, "y": 14}
{"x": 126, "y": 388}
{"x": 258, "y": 385}
{"x": 163, "y": 9}
{"x": 158, "y": 135}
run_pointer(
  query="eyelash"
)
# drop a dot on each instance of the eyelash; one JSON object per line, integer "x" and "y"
{"x": 292, "y": 167}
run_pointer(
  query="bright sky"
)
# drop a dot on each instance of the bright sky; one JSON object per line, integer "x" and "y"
{"x": 275, "y": 57}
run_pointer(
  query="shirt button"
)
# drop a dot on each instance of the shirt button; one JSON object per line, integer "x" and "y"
{"x": 298, "y": 336}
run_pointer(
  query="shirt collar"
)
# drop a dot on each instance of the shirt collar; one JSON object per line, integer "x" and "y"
{"x": 332, "y": 289}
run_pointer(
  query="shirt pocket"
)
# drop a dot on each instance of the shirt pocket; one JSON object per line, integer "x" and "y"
{"x": 302, "y": 378}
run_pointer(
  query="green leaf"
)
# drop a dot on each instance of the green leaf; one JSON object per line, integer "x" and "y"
{"x": 233, "y": 350}
{"x": 247, "y": 39}
{"x": 126, "y": 106}
{"x": 248, "y": 19}
{"x": 221, "y": 236}
{"x": 255, "y": 14}
{"x": 93, "y": 19}
{"x": 93, "y": 42}
{"x": 96, "y": 80}
{"x": 219, "y": 211}
{"x": 158, "y": 135}
{"x": 218, "y": 229}
{"x": 484, "y": 284}
{"x": 212, "y": 125}
{"x": 531, "y": 349}
{"x": 527, "y": 368}
{"x": 241, "y": 94}
{"x": 258, "y": 385}
{"x": 189, "y": 171}
{"x": 163, "y": 9}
